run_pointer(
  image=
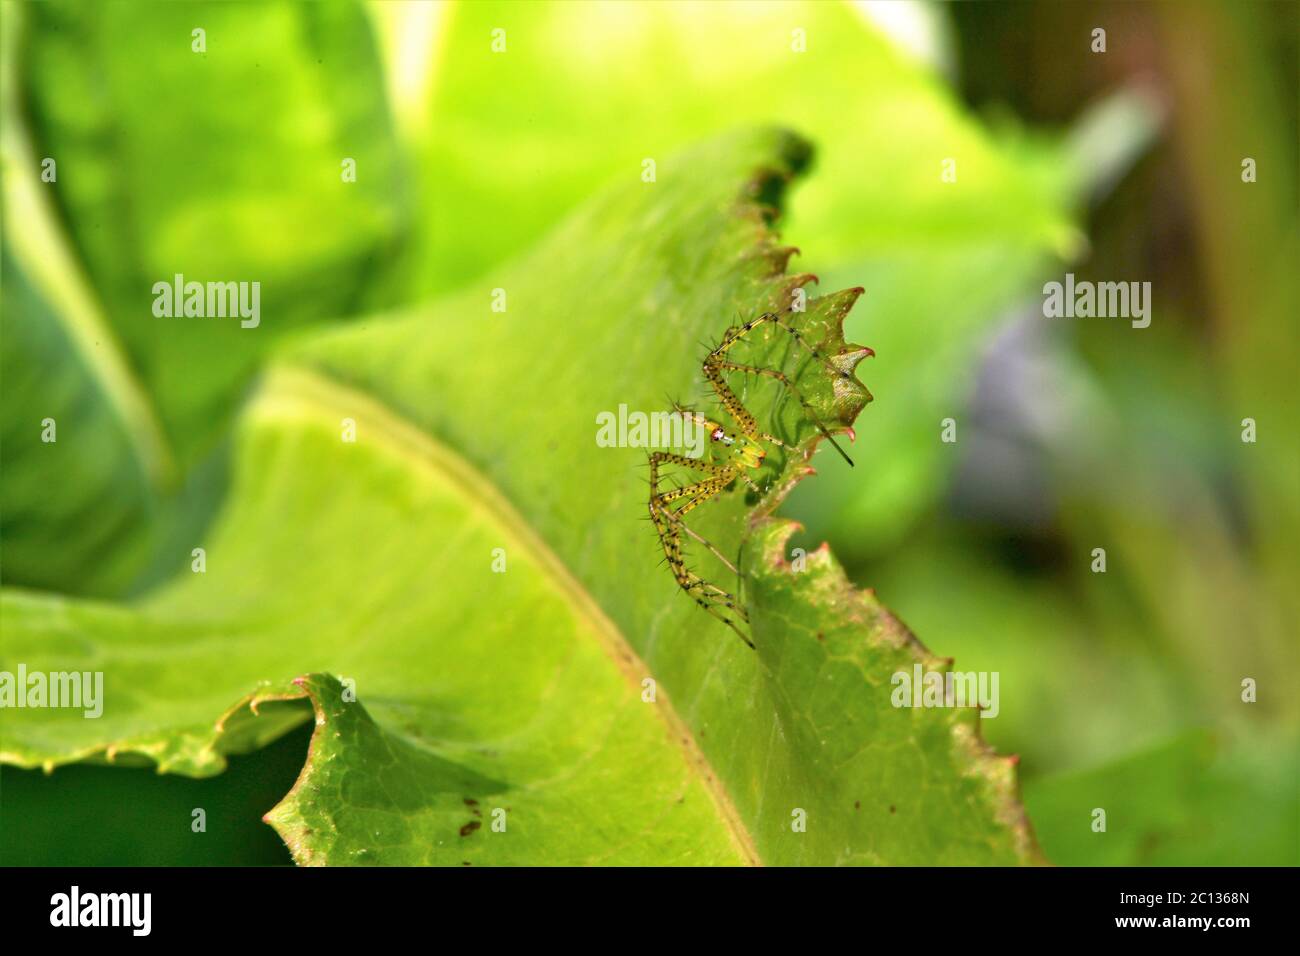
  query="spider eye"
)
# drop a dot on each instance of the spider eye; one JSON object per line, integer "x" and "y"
{"x": 717, "y": 434}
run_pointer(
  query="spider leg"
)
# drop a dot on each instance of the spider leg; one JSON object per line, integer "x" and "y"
{"x": 669, "y": 507}
{"x": 738, "y": 332}
{"x": 712, "y": 609}
{"x": 716, "y": 362}
{"x": 695, "y": 494}
{"x": 708, "y": 596}
{"x": 708, "y": 425}
{"x": 785, "y": 380}
{"x": 676, "y": 519}
{"x": 669, "y": 525}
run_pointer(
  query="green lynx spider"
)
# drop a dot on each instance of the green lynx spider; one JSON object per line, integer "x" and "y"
{"x": 736, "y": 453}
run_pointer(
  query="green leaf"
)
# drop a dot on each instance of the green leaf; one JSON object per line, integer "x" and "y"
{"x": 1195, "y": 800}
{"x": 516, "y": 683}
{"x": 875, "y": 193}
{"x": 59, "y": 386}
{"x": 525, "y": 691}
{"x": 247, "y": 188}
{"x": 943, "y": 262}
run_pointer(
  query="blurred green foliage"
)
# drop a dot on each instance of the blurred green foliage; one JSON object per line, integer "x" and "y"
{"x": 213, "y": 165}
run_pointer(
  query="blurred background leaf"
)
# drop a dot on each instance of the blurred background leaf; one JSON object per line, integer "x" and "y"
{"x": 221, "y": 165}
{"x": 1177, "y": 804}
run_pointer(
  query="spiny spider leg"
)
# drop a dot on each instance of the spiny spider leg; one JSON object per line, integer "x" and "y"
{"x": 676, "y": 519}
{"x": 740, "y": 331}
{"x": 691, "y": 582}
{"x": 703, "y": 491}
{"x": 785, "y": 380}
{"x": 736, "y": 453}
{"x": 715, "y": 363}
{"x": 668, "y": 523}
{"x": 696, "y": 493}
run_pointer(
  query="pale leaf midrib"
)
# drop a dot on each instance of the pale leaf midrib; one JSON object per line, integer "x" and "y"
{"x": 288, "y": 389}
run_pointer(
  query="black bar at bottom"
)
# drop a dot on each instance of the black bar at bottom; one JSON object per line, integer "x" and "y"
{"x": 959, "y": 906}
